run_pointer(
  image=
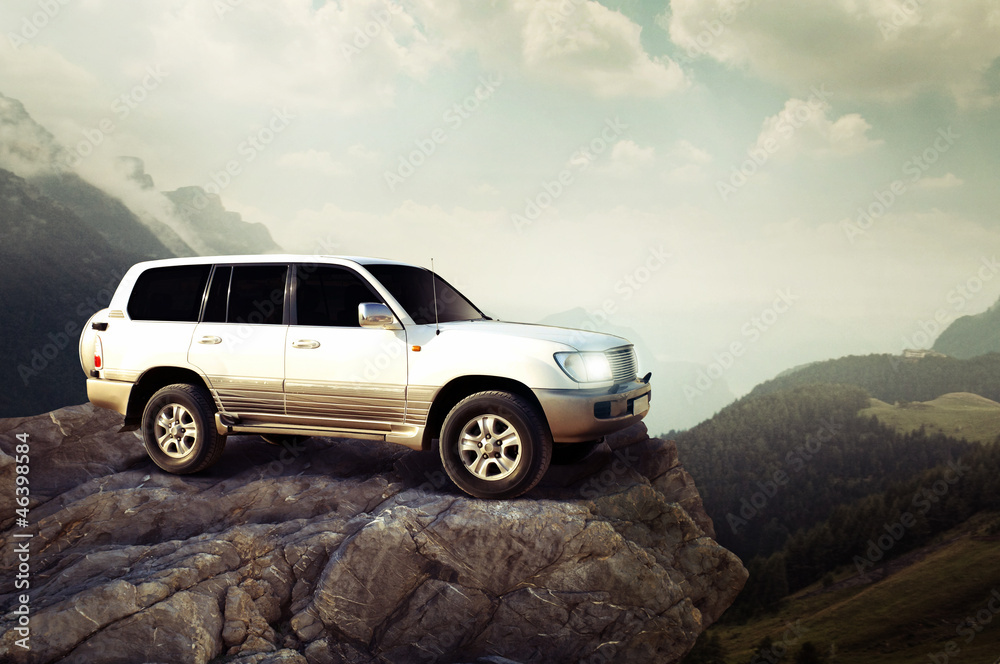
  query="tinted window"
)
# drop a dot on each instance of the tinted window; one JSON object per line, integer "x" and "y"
{"x": 414, "y": 290}
{"x": 257, "y": 294}
{"x": 218, "y": 296}
{"x": 169, "y": 293}
{"x": 330, "y": 296}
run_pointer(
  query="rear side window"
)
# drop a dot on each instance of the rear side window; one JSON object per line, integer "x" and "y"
{"x": 257, "y": 294}
{"x": 169, "y": 293}
{"x": 218, "y": 296}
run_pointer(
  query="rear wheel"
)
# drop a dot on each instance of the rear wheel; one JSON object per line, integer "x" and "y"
{"x": 178, "y": 429}
{"x": 495, "y": 445}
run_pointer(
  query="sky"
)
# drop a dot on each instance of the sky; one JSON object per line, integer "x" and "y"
{"x": 749, "y": 184}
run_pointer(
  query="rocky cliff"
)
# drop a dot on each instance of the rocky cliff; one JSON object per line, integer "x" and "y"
{"x": 344, "y": 551}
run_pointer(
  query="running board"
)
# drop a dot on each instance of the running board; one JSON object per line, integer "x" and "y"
{"x": 405, "y": 434}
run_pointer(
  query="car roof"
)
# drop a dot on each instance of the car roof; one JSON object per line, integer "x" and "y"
{"x": 272, "y": 258}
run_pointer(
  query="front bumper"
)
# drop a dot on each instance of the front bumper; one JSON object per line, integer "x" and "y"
{"x": 576, "y": 416}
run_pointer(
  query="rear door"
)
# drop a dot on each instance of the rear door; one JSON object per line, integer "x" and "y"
{"x": 239, "y": 344}
{"x": 337, "y": 373}
{"x": 163, "y": 310}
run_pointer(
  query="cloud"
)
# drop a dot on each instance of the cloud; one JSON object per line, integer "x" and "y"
{"x": 315, "y": 161}
{"x": 804, "y": 127}
{"x": 688, "y": 163}
{"x": 573, "y": 43}
{"x": 859, "y": 48}
{"x": 628, "y": 158}
{"x": 946, "y": 181}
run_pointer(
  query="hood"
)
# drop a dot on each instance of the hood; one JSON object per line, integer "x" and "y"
{"x": 575, "y": 339}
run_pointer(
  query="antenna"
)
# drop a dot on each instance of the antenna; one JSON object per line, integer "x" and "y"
{"x": 437, "y": 328}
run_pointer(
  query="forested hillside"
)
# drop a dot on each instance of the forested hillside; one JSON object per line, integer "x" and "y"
{"x": 892, "y": 378}
{"x": 772, "y": 464}
{"x": 799, "y": 484}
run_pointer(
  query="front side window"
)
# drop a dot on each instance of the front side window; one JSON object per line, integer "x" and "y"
{"x": 169, "y": 293}
{"x": 414, "y": 289}
{"x": 330, "y": 296}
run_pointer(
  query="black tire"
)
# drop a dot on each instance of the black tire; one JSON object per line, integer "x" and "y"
{"x": 566, "y": 454}
{"x": 281, "y": 439}
{"x": 178, "y": 429}
{"x": 507, "y": 470}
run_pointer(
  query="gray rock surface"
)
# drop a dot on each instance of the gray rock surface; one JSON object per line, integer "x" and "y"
{"x": 333, "y": 551}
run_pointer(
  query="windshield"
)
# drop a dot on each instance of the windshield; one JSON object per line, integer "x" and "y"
{"x": 413, "y": 289}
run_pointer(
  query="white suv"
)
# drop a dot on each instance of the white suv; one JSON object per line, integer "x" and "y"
{"x": 193, "y": 349}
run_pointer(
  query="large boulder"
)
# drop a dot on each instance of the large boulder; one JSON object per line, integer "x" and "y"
{"x": 337, "y": 550}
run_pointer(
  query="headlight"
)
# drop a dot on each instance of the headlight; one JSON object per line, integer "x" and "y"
{"x": 585, "y": 367}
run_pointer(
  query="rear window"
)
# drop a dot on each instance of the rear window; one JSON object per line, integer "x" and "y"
{"x": 169, "y": 293}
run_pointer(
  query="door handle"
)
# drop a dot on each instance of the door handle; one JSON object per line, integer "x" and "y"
{"x": 210, "y": 340}
{"x": 305, "y": 343}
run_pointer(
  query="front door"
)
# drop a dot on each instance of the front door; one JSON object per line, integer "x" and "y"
{"x": 337, "y": 373}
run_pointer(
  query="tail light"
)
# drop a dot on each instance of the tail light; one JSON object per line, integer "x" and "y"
{"x": 98, "y": 353}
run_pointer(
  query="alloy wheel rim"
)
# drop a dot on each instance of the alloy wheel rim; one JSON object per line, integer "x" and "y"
{"x": 490, "y": 447}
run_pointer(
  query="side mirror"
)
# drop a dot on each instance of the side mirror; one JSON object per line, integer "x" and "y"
{"x": 377, "y": 315}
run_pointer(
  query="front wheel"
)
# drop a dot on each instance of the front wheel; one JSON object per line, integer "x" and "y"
{"x": 495, "y": 445}
{"x": 178, "y": 429}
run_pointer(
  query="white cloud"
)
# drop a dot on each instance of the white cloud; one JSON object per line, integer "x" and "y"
{"x": 343, "y": 56}
{"x": 574, "y": 43}
{"x": 484, "y": 189}
{"x": 628, "y": 158}
{"x": 360, "y": 152}
{"x": 804, "y": 127}
{"x": 313, "y": 160}
{"x": 688, "y": 164}
{"x": 884, "y": 49}
{"x": 946, "y": 181}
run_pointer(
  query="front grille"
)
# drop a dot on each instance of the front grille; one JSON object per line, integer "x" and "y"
{"x": 624, "y": 366}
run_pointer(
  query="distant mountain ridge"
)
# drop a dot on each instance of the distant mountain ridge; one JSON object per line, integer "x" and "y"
{"x": 971, "y": 336}
{"x": 67, "y": 243}
{"x": 892, "y": 378}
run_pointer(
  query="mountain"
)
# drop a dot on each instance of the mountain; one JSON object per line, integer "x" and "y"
{"x": 683, "y": 393}
{"x": 775, "y": 463}
{"x": 958, "y": 415}
{"x": 892, "y": 378}
{"x": 56, "y": 269}
{"x": 970, "y": 336}
{"x": 67, "y": 243}
{"x": 210, "y": 229}
{"x": 336, "y": 550}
